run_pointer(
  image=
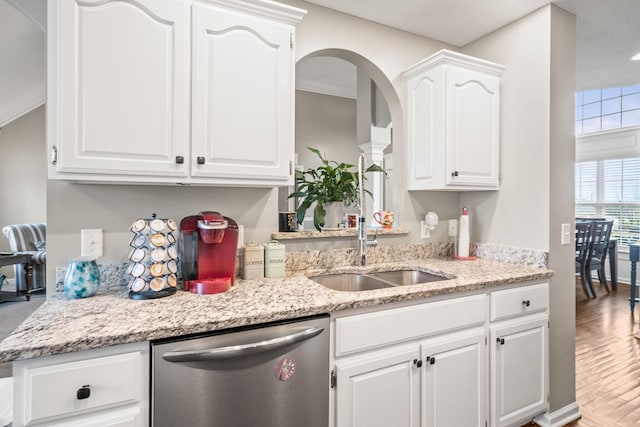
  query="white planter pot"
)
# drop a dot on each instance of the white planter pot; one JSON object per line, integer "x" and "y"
{"x": 333, "y": 214}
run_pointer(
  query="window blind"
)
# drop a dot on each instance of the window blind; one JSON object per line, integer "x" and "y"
{"x": 611, "y": 189}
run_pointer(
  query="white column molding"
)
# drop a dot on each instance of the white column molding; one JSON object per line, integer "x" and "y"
{"x": 374, "y": 154}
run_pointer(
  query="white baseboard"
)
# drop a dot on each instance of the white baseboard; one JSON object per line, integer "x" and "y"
{"x": 559, "y": 418}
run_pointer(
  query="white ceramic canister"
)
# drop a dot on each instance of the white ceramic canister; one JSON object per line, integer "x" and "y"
{"x": 274, "y": 259}
{"x": 253, "y": 261}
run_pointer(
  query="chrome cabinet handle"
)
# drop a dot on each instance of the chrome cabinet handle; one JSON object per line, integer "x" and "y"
{"x": 228, "y": 352}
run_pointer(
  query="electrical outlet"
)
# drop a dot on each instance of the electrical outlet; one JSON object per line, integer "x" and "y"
{"x": 453, "y": 227}
{"x": 91, "y": 242}
{"x": 425, "y": 233}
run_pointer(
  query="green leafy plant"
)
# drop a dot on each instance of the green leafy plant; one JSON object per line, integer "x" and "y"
{"x": 329, "y": 182}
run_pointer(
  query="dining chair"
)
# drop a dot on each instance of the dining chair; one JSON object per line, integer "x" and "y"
{"x": 583, "y": 251}
{"x": 600, "y": 236}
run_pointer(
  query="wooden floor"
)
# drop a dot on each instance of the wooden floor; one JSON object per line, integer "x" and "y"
{"x": 607, "y": 360}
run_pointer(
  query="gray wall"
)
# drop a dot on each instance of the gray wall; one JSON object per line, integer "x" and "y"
{"x": 23, "y": 177}
{"x": 537, "y": 184}
{"x": 327, "y": 123}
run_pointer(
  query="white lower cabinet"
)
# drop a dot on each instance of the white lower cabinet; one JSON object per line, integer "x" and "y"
{"x": 470, "y": 361}
{"x": 102, "y": 387}
{"x": 454, "y": 377}
{"x": 519, "y": 369}
{"x": 380, "y": 389}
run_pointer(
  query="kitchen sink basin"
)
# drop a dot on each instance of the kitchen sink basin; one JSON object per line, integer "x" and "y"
{"x": 407, "y": 277}
{"x": 354, "y": 282}
{"x": 351, "y": 282}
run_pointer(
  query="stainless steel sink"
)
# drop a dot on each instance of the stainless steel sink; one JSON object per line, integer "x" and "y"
{"x": 407, "y": 277}
{"x": 355, "y": 282}
{"x": 351, "y": 282}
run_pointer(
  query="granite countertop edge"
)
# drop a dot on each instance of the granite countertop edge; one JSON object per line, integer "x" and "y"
{"x": 109, "y": 318}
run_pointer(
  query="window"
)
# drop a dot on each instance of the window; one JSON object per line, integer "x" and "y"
{"x": 604, "y": 109}
{"x": 611, "y": 189}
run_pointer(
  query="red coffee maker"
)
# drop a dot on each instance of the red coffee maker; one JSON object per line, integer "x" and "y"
{"x": 208, "y": 246}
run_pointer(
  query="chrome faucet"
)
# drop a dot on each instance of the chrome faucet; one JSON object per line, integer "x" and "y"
{"x": 363, "y": 242}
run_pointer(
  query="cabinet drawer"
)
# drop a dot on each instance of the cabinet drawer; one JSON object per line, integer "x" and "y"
{"x": 519, "y": 301}
{"x": 371, "y": 330}
{"x": 52, "y": 391}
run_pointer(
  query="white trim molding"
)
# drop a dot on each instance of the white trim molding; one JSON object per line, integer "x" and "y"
{"x": 559, "y": 418}
{"x": 611, "y": 144}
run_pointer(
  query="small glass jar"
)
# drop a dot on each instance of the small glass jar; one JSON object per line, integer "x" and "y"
{"x": 82, "y": 279}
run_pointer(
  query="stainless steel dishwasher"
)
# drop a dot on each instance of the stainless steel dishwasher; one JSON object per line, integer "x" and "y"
{"x": 276, "y": 375}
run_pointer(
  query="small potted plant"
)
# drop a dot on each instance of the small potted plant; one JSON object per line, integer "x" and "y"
{"x": 331, "y": 182}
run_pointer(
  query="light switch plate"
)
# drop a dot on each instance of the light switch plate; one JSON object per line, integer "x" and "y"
{"x": 566, "y": 234}
{"x": 91, "y": 242}
{"x": 453, "y": 227}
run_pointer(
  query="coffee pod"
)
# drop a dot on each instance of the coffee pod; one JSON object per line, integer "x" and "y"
{"x": 158, "y": 255}
{"x": 138, "y": 285}
{"x": 140, "y": 270}
{"x": 172, "y": 252}
{"x": 158, "y": 269}
{"x": 140, "y": 226}
{"x": 139, "y": 255}
{"x": 157, "y": 283}
{"x": 172, "y": 280}
{"x": 158, "y": 239}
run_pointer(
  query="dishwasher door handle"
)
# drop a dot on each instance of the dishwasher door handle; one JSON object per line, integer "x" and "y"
{"x": 227, "y": 352}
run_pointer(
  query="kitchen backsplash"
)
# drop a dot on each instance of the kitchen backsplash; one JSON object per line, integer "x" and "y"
{"x": 114, "y": 274}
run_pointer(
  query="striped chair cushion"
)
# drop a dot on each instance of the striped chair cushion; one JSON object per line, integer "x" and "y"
{"x": 23, "y": 237}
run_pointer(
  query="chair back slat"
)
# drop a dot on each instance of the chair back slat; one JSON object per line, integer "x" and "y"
{"x": 583, "y": 239}
{"x": 600, "y": 237}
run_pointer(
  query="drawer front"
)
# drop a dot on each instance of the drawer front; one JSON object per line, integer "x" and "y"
{"x": 52, "y": 391}
{"x": 519, "y": 301}
{"x": 371, "y": 330}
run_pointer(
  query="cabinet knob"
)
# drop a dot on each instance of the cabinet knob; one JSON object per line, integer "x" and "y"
{"x": 417, "y": 363}
{"x": 200, "y": 160}
{"x": 500, "y": 340}
{"x": 454, "y": 173}
{"x": 179, "y": 160}
{"x": 526, "y": 303}
{"x": 431, "y": 360}
{"x": 83, "y": 392}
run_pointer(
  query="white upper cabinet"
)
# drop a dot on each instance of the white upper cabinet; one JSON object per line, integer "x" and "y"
{"x": 242, "y": 96}
{"x": 171, "y": 91}
{"x": 453, "y": 123}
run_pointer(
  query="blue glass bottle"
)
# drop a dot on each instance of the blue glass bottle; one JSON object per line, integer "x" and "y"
{"x": 82, "y": 278}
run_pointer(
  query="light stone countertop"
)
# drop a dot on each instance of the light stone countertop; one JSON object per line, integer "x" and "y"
{"x": 109, "y": 318}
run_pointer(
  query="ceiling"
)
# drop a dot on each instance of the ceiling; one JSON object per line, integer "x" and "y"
{"x": 607, "y": 33}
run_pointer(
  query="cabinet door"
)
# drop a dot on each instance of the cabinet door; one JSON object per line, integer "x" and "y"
{"x": 472, "y": 128}
{"x": 519, "y": 369}
{"x": 379, "y": 389}
{"x": 454, "y": 381}
{"x": 118, "y": 88}
{"x": 242, "y": 97}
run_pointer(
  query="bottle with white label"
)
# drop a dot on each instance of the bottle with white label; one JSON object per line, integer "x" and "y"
{"x": 463, "y": 240}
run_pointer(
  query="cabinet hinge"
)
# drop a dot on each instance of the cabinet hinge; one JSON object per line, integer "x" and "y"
{"x": 486, "y": 340}
{"x": 290, "y": 167}
{"x": 334, "y": 379}
{"x": 291, "y": 40}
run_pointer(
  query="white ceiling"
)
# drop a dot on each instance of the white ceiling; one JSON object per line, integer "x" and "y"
{"x": 608, "y": 33}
